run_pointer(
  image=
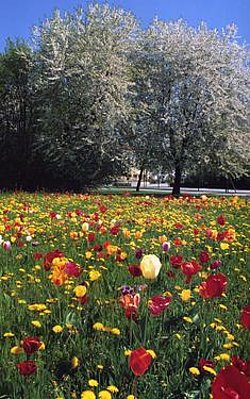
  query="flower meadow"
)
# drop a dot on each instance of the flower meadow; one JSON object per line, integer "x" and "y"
{"x": 124, "y": 297}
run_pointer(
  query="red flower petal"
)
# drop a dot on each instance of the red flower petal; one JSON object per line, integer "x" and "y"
{"x": 230, "y": 383}
{"x": 140, "y": 361}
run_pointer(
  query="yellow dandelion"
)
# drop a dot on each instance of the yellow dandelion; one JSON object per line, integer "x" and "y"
{"x": 36, "y": 323}
{"x": 187, "y": 319}
{"x": 224, "y": 246}
{"x": 218, "y": 320}
{"x": 8, "y": 335}
{"x": 220, "y": 328}
{"x": 230, "y": 337}
{"x": 93, "y": 383}
{"x": 94, "y": 275}
{"x": 223, "y": 356}
{"x": 15, "y": 350}
{"x": 42, "y": 346}
{"x": 194, "y": 370}
{"x": 88, "y": 255}
{"x": 112, "y": 388}
{"x": 104, "y": 394}
{"x": 88, "y": 395}
{"x": 223, "y": 307}
{"x": 22, "y": 302}
{"x": 115, "y": 331}
{"x": 57, "y": 329}
{"x": 228, "y": 345}
{"x": 185, "y": 295}
{"x": 98, "y": 326}
{"x": 75, "y": 362}
{"x": 37, "y": 307}
{"x": 46, "y": 311}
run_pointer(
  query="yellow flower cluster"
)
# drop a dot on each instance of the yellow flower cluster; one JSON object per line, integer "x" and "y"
{"x": 100, "y": 327}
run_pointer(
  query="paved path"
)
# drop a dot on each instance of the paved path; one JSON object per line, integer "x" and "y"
{"x": 195, "y": 190}
{"x": 165, "y": 188}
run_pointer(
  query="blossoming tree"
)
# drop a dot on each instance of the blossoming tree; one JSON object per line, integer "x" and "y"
{"x": 84, "y": 81}
{"x": 193, "y": 97}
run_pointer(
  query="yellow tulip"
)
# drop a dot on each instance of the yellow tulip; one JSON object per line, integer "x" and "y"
{"x": 85, "y": 227}
{"x": 150, "y": 266}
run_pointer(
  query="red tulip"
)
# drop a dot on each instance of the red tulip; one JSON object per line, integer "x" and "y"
{"x": 179, "y": 226}
{"x": 135, "y": 270}
{"x": 83, "y": 299}
{"x": 221, "y": 236}
{"x": 230, "y": 383}
{"x": 37, "y": 255}
{"x": 215, "y": 264}
{"x": 31, "y": 345}
{"x": 79, "y": 212}
{"x": 114, "y": 230}
{"x": 221, "y": 220}
{"x": 50, "y": 256}
{"x": 204, "y": 257}
{"x": 204, "y": 362}
{"x": 52, "y": 215}
{"x": 97, "y": 248}
{"x": 103, "y": 208}
{"x": 245, "y": 317}
{"x": 27, "y": 367}
{"x": 130, "y": 303}
{"x": 158, "y": 304}
{"x": 242, "y": 365}
{"x": 72, "y": 269}
{"x": 171, "y": 274}
{"x": 190, "y": 269}
{"x": 91, "y": 237}
{"x": 176, "y": 261}
{"x": 214, "y": 286}
{"x": 138, "y": 253}
{"x": 140, "y": 361}
{"x": 177, "y": 242}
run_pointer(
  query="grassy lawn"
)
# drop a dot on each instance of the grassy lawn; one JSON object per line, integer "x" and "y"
{"x": 81, "y": 292}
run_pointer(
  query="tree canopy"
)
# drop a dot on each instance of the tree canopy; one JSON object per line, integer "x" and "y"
{"x": 94, "y": 93}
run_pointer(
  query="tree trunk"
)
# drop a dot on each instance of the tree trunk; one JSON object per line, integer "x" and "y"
{"x": 177, "y": 182}
{"x": 139, "y": 180}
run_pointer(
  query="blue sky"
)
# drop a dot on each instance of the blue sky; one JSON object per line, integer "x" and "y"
{"x": 18, "y": 16}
